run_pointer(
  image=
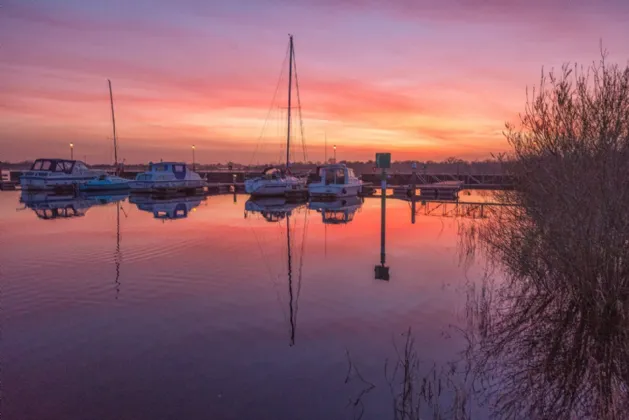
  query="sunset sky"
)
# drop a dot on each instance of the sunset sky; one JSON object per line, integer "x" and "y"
{"x": 422, "y": 79}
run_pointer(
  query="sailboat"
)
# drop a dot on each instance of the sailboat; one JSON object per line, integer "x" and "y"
{"x": 279, "y": 181}
{"x": 106, "y": 182}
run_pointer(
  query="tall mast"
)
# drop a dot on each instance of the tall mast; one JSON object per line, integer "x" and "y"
{"x": 113, "y": 120}
{"x": 290, "y": 85}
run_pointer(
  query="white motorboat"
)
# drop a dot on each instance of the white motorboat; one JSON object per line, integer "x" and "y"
{"x": 167, "y": 177}
{"x": 336, "y": 180}
{"x": 52, "y": 174}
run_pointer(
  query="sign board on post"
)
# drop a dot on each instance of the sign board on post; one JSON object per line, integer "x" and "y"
{"x": 383, "y": 160}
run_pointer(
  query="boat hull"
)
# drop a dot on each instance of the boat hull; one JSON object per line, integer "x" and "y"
{"x": 99, "y": 188}
{"x": 275, "y": 188}
{"x": 166, "y": 186}
{"x": 334, "y": 191}
{"x": 43, "y": 183}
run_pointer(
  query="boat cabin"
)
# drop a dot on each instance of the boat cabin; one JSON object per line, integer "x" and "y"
{"x": 58, "y": 165}
{"x": 336, "y": 174}
{"x": 177, "y": 168}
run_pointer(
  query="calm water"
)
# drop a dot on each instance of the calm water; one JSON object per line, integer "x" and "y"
{"x": 122, "y": 313}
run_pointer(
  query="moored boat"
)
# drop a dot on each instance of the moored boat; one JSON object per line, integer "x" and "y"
{"x": 277, "y": 181}
{"x": 336, "y": 180}
{"x": 105, "y": 183}
{"x": 167, "y": 177}
{"x": 57, "y": 174}
{"x": 274, "y": 182}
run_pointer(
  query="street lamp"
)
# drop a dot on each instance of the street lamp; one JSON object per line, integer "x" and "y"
{"x": 71, "y": 151}
{"x": 193, "y": 160}
{"x": 335, "y": 153}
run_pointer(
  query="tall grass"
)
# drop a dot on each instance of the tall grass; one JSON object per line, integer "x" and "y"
{"x": 556, "y": 339}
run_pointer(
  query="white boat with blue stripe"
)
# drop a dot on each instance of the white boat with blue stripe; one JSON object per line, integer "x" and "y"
{"x": 54, "y": 174}
{"x": 166, "y": 177}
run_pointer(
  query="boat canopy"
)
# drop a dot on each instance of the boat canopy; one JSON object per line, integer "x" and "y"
{"x": 56, "y": 165}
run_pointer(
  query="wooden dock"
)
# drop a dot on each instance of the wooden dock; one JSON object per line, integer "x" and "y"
{"x": 444, "y": 190}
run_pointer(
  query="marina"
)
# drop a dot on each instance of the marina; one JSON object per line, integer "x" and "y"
{"x": 402, "y": 227}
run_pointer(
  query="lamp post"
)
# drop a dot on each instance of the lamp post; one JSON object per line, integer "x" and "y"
{"x": 71, "y": 151}
{"x": 193, "y": 160}
{"x": 335, "y": 153}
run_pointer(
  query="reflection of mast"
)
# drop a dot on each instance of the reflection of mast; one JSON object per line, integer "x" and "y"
{"x": 290, "y": 282}
{"x": 117, "y": 253}
{"x": 325, "y": 240}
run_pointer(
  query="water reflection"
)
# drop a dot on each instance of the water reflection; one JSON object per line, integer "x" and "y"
{"x": 551, "y": 339}
{"x": 277, "y": 210}
{"x": 167, "y": 207}
{"x": 273, "y": 209}
{"x": 382, "y": 271}
{"x": 117, "y": 253}
{"x": 48, "y": 205}
{"x": 336, "y": 212}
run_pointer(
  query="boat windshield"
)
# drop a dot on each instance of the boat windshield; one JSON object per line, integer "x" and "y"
{"x": 336, "y": 176}
{"x": 53, "y": 165}
{"x": 159, "y": 167}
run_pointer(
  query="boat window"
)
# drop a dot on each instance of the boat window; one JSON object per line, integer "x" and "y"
{"x": 329, "y": 177}
{"x": 178, "y": 168}
{"x": 41, "y": 165}
{"x": 350, "y": 172}
{"x": 160, "y": 168}
{"x": 63, "y": 166}
{"x": 340, "y": 176}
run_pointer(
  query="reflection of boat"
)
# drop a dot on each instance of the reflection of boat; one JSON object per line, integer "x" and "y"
{"x": 105, "y": 183}
{"x": 273, "y": 209}
{"x": 337, "y": 180}
{"x": 53, "y": 206}
{"x": 339, "y": 211}
{"x": 276, "y": 181}
{"x": 50, "y": 174}
{"x": 171, "y": 208}
{"x": 166, "y": 177}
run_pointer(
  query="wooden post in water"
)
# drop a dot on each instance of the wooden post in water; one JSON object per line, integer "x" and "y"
{"x": 383, "y": 215}
{"x": 383, "y": 161}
